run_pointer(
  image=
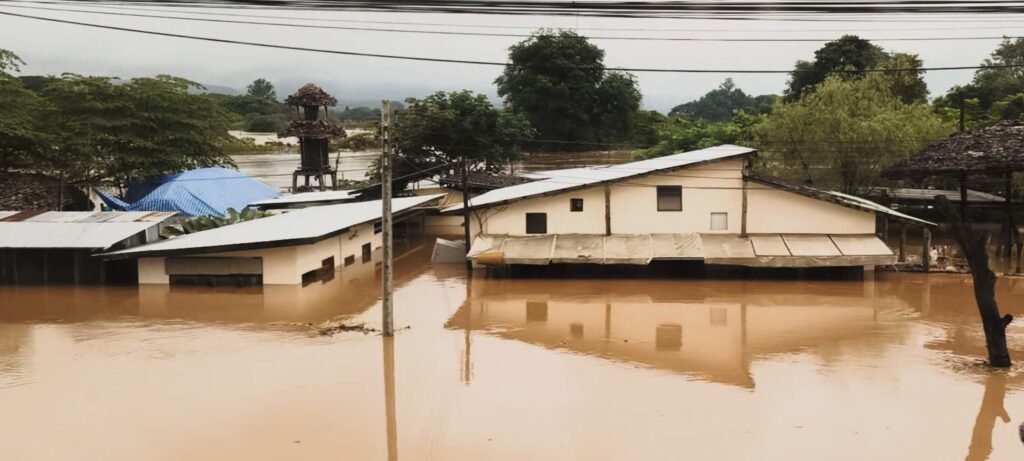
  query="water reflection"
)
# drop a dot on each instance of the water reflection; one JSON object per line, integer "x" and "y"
{"x": 991, "y": 409}
{"x": 709, "y": 329}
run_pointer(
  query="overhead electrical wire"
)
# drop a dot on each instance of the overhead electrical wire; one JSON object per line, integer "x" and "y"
{"x": 497, "y": 34}
{"x": 484, "y": 63}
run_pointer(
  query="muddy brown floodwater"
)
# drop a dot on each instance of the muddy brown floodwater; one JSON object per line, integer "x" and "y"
{"x": 510, "y": 369}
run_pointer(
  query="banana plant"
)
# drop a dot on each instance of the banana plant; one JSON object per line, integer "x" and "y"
{"x": 201, "y": 223}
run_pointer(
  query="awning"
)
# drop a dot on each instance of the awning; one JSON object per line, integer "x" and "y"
{"x": 763, "y": 250}
{"x": 775, "y": 250}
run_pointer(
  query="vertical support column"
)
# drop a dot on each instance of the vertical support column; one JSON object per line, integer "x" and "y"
{"x": 465, "y": 213}
{"x": 963, "y": 198}
{"x": 743, "y": 210}
{"x": 903, "y": 242}
{"x": 926, "y": 248}
{"x": 387, "y": 328}
{"x": 607, "y": 209}
{"x": 1010, "y": 225}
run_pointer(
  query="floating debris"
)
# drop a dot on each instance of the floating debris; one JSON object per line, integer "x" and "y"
{"x": 333, "y": 328}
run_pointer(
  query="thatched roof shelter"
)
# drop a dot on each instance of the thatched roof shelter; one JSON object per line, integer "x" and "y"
{"x": 311, "y": 95}
{"x": 995, "y": 149}
{"x": 313, "y": 129}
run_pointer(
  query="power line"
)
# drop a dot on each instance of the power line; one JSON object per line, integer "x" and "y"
{"x": 497, "y": 26}
{"x": 497, "y": 34}
{"x": 489, "y": 63}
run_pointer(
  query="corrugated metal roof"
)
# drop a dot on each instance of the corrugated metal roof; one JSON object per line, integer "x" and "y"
{"x": 872, "y": 206}
{"x": 929, "y": 194}
{"x": 297, "y": 227}
{"x": 199, "y": 192}
{"x": 306, "y": 197}
{"x": 573, "y": 178}
{"x": 75, "y": 229}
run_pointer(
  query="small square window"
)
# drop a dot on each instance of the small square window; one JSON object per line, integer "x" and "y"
{"x": 536, "y": 223}
{"x": 367, "y": 253}
{"x": 378, "y": 227}
{"x": 670, "y": 198}
{"x": 575, "y": 204}
{"x": 719, "y": 221}
{"x": 350, "y": 260}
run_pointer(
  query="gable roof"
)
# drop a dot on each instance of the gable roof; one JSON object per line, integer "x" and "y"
{"x": 558, "y": 181}
{"x": 299, "y": 227}
{"x": 74, "y": 229}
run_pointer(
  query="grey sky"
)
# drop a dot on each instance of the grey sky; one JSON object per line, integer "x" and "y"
{"x": 54, "y": 48}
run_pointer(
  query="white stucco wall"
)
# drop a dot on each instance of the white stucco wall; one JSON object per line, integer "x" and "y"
{"x": 771, "y": 210}
{"x": 283, "y": 265}
{"x": 710, "y": 188}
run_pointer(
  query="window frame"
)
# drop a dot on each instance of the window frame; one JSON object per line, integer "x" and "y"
{"x": 712, "y": 223}
{"x": 545, "y": 223}
{"x": 572, "y": 205}
{"x": 673, "y": 189}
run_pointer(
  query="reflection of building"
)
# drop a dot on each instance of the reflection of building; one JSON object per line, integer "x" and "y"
{"x": 698, "y": 328}
{"x": 701, "y": 205}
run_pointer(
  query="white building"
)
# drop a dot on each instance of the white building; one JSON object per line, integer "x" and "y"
{"x": 298, "y": 247}
{"x": 700, "y": 205}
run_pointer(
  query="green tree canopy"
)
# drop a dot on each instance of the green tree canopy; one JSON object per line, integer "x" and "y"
{"x": 262, "y": 88}
{"x": 21, "y": 136}
{"x": 852, "y": 53}
{"x": 445, "y": 128}
{"x": 719, "y": 104}
{"x": 841, "y": 135}
{"x": 991, "y": 89}
{"x": 559, "y": 82}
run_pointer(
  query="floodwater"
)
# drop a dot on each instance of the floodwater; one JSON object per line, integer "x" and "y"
{"x": 510, "y": 369}
{"x": 275, "y": 169}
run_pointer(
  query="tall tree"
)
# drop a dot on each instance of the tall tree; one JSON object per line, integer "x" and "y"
{"x": 852, "y": 53}
{"x": 446, "y": 128}
{"x": 559, "y": 82}
{"x": 262, "y": 88}
{"x": 844, "y": 132}
{"x": 20, "y": 131}
{"x": 719, "y": 104}
{"x": 992, "y": 88}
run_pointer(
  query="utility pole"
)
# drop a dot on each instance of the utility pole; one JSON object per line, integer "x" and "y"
{"x": 387, "y": 303}
{"x": 465, "y": 211}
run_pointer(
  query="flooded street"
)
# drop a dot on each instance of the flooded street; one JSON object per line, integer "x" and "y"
{"x": 510, "y": 369}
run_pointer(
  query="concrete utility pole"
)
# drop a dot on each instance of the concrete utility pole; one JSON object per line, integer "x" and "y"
{"x": 465, "y": 211}
{"x": 387, "y": 304}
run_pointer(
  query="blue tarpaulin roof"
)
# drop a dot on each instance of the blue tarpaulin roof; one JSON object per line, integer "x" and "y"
{"x": 200, "y": 192}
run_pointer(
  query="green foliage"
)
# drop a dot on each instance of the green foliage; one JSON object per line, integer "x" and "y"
{"x": 449, "y": 127}
{"x": 9, "y": 62}
{"x": 558, "y": 81}
{"x": 21, "y": 134}
{"x": 262, "y": 88}
{"x": 844, "y": 133}
{"x": 680, "y": 134}
{"x": 201, "y": 223}
{"x": 992, "y": 89}
{"x": 854, "y": 53}
{"x": 719, "y": 104}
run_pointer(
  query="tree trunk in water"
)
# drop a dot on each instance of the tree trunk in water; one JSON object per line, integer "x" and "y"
{"x": 984, "y": 285}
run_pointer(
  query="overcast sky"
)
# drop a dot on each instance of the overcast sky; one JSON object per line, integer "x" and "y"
{"x": 50, "y": 48}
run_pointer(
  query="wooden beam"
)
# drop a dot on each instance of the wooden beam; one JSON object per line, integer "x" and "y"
{"x": 743, "y": 210}
{"x": 607, "y": 209}
{"x": 903, "y": 242}
{"x": 926, "y": 248}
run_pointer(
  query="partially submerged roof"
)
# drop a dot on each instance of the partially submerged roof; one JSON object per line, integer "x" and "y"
{"x": 995, "y": 149}
{"x": 299, "y": 227}
{"x": 565, "y": 180}
{"x": 906, "y": 194}
{"x": 842, "y": 199}
{"x": 198, "y": 192}
{"x": 304, "y": 198}
{"x": 73, "y": 229}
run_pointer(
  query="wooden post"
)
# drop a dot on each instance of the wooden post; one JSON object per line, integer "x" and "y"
{"x": 607, "y": 209}
{"x": 963, "y": 198}
{"x": 926, "y": 248}
{"x": 1010, "y": 226}
{"x": 387, "y": 329}
{"x": 903, "y": 242}
{"x": 743, "y": 208}
{"x": 465, "y": 213}
{"x": 973, "y": 247}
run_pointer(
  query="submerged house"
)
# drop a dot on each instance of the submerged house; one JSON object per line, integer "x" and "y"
{"x": 43, "y": 247}
{"x": 700, "y": 205}
{"x": 298, "y": 247}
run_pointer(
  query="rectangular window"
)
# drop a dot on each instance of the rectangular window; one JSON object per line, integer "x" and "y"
{"x": 378, "y": 227}
{"x": 350, "y": 260}
{"x": 367, "y": 253}
{"x": 719, "y": 221}
{"x": 575, "y": 204}
{"x": 536, "y": 223}
{"x": 670, "y": 198}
